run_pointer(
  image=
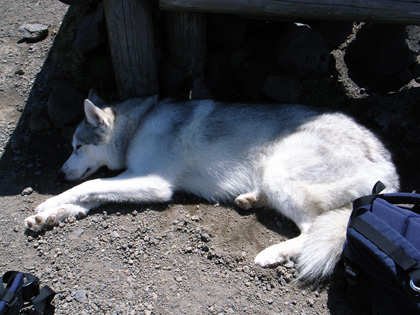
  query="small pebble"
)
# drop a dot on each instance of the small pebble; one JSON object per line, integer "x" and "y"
{"x": 27, "y": 191}
{"x": 205, "y": 237}
{"x": 80, "y": 295}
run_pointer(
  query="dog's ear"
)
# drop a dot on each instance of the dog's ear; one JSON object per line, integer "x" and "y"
{"x": 95, "y": 98}
{"x": 96, "y": 116}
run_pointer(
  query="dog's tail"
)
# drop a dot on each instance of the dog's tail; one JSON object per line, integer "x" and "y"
{"x": 323, "y": 245}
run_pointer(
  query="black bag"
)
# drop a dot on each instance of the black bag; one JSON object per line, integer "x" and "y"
{"x": 382, "y": 251}
{"x": 20, "y": 293}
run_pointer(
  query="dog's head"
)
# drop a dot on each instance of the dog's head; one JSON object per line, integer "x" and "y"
{"x": 90, "y": 141}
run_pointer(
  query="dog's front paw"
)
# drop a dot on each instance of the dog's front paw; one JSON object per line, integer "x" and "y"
{"x": 53, "y": 216}
{"x": 45, "y": 219}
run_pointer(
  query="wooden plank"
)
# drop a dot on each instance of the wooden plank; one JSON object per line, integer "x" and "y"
{"x": 186, "y": 41}
{"x": 384, "y": 11}
{"x": 130, "y": 33}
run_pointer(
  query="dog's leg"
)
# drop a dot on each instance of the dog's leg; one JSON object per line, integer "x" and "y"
{"x": 80, "y": 199}
{"x": 280, "y": 253}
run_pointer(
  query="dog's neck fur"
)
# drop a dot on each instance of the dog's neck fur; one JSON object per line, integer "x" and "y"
{"x": 126, "y": 125}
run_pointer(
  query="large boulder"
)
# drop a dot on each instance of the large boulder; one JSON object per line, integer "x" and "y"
{"x": 65, "y": 104}
{"x": 303, "y": 50}
{"x": 282, "y": 88}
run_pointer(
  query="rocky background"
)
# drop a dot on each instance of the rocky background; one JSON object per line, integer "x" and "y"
{"x": 187, "y": 256}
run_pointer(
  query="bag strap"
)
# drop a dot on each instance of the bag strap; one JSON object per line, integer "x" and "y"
{"x": 404, "y": 260}
{"x": 402, "y": 198}
{"x": 42, "y": 302}
{"x": 394, "y": 198}
{"x": 366, "y": 200}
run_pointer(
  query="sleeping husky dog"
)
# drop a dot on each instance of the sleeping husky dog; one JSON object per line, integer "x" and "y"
{"x": 308, "y": 164}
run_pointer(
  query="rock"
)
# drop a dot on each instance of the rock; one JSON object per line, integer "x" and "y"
{"x": 336, "y": 32}
{"x": 38, "y": 120}
{"x": 289, "y": 264}
{"x": 387, "y": 119}
{"x": 226, "y": 30}
{"x": 413, "y": 38}
{"x": 303, "y": 50}
{"x": 288, "y": 278}
{"x": 205, "y": 237}
{"x": 27, "y": 191}
{"x": 60, "y": 68}
{"x": 65, "y": 104}
{"x": 310, "y": 301}
{"x": 130, "y": 295}
{"x": 91, "y": 33}
{"x": 195, "y": 218}
{"x": 80, "y": 295}
{"x": 381, "y": 55}
{"x": 283, "y": 89}
{"x": 34, "y": 32}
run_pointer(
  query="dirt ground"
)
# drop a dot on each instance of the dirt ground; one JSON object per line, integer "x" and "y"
{"x": 186, "y": 257}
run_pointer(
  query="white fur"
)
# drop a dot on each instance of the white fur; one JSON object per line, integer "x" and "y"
{"x": 307, "y": 164}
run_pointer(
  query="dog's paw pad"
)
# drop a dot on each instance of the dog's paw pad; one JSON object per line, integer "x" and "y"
{"x": 43, "y": 220}
{"x": 246, "y": 201}
{"x": 34, "y": 223}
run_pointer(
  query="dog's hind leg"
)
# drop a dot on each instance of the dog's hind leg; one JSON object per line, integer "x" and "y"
{"x": 80, "y": 199}
{"x": 280, "y": 253}
{"x": 289, "y": 198}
